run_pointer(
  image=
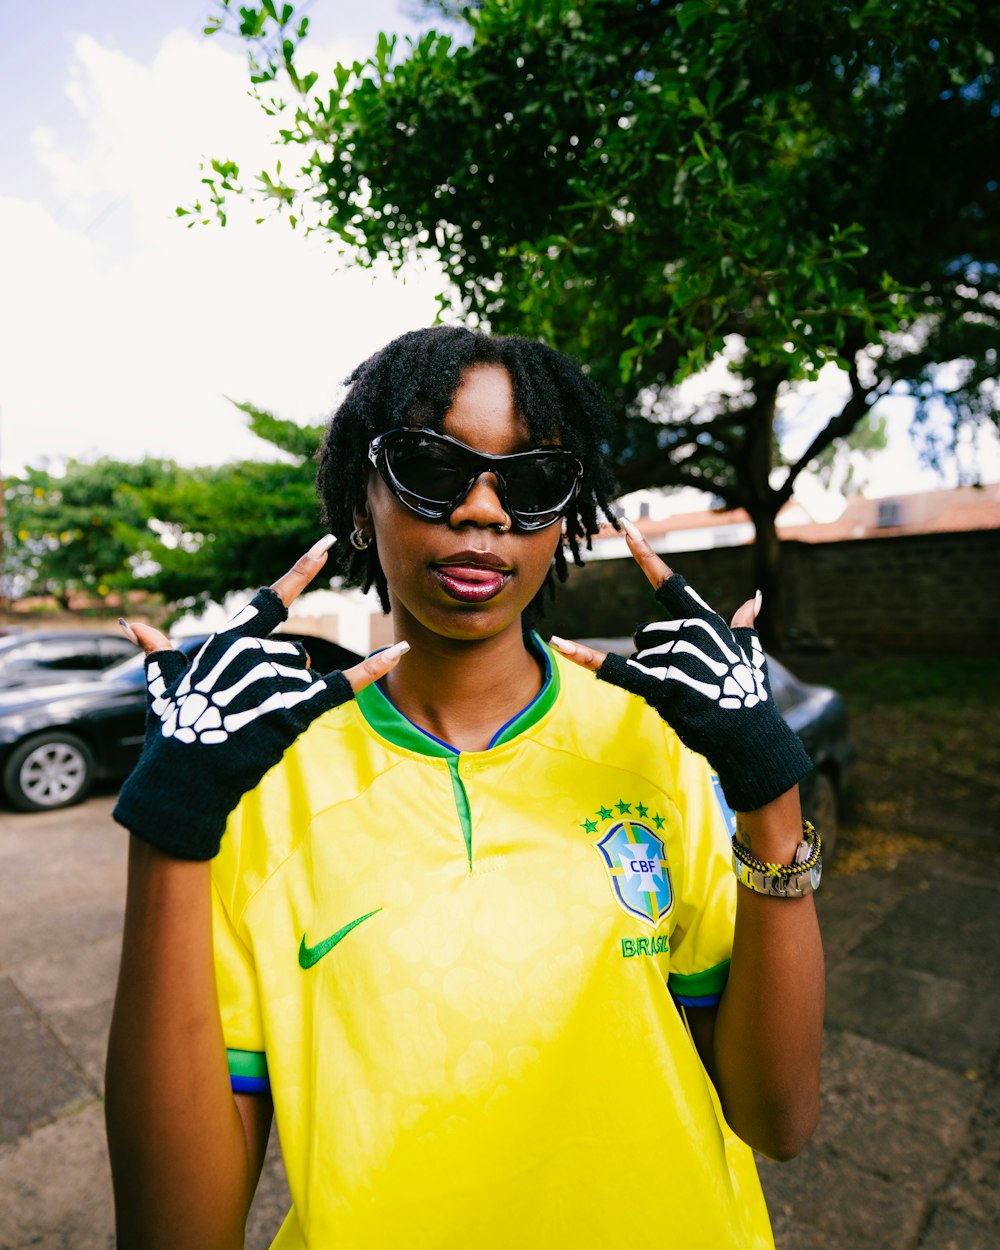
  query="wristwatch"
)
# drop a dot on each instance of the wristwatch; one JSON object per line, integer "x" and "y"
{"x": 798, "y": 884}
{"x": 794, "y": 880}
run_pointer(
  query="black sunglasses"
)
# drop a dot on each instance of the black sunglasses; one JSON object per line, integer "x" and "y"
{"x": 432, "y": 473}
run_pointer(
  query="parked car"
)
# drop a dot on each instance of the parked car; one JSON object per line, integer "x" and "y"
{"x": 46, "y": 657}
{"x": 818, "y": 715}
{"x": 56, "y": 741}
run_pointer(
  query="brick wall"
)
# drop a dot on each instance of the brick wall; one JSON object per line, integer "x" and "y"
{"x": 911, "y": 595}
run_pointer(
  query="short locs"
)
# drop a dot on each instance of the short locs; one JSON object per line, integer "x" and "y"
{"x": 413, "y": 381}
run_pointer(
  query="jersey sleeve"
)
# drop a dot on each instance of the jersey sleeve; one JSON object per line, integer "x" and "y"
{"x": 236, "y": 983}
{"x": 703, "y": 935}
{"x": 261, "y": 833}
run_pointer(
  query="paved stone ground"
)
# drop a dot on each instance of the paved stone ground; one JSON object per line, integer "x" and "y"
{"x": 907, "y": 1156}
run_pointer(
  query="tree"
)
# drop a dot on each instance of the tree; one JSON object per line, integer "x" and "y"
{"x": 187, "y": 534}
{"x": 229, "y": 527}
{"x": 655, "y": 186}
{"x": 72, "y": 531}
{"x": 215, "y": 529}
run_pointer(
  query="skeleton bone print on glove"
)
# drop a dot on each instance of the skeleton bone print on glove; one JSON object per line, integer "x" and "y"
{"x": 709, "y": 683}
{"x": 214, "y": 728}
{"x": 739, "y": 678}
{"x": 196, "y": 711}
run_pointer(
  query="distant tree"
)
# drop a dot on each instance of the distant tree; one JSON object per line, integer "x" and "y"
{"x": 654, "y": 186}
{"x": 235, "y": 526}
{"x": 72, "y": 530}
{"x": 187, "y": 534}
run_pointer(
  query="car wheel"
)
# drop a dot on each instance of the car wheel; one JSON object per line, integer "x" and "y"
{"x": 48, "y": 771}
{"x": 823, "y": 812}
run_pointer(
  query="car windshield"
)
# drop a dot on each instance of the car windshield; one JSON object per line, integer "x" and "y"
{"x": 132, "y": 669}
{"x": 787, "y": 690}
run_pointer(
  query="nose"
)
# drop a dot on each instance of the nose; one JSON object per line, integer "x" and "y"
{"x": 481, "y": 506}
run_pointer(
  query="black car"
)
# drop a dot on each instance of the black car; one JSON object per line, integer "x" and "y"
{"x": 56, "y": 741}
{"x": 46, "y": 657}
{"x": 817, "y": 714}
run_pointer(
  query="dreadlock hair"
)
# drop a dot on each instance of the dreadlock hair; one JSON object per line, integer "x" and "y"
{"x": 412, "y": 382}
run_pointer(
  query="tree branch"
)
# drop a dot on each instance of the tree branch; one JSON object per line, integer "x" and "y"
{"x": 861, "y": 399}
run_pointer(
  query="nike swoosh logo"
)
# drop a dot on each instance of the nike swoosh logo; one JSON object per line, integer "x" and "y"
{"x": 310, "y": 955}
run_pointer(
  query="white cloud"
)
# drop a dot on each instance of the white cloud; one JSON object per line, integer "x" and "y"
{"x": 150, "y": 126}
{"x": 121, "y": 331}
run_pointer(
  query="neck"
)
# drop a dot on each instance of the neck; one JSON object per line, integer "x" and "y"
{"x": 463, "y": 691}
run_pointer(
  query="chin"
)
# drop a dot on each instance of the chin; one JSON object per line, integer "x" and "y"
{"x": 462, "y": 622}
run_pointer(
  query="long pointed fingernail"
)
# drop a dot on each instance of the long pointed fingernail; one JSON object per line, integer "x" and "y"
{"x": 633, "y": 531}
{"x": 127, "y": 630}
{"x": 324, "y": 544}
{"x": 560, "y": 644}
{"x": 758, "y": 599}
{"x": 396, "y": 650}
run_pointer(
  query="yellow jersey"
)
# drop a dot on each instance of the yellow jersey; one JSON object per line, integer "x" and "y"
{"x": 462, "y": 976}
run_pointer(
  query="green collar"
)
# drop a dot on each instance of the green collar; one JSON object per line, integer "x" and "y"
{"x": 390, "y": 723}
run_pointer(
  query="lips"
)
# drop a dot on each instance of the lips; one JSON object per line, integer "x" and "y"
{"x": 472, "y": 576}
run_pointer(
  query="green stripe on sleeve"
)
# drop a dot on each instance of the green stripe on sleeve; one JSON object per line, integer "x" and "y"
{"x": 700, "y": 984}
{"x": 247, "y": 1063}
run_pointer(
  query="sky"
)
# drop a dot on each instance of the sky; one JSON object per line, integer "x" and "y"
{"x": 124, "y": 333}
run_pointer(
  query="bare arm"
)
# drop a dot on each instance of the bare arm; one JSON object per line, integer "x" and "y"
{"x": 185, "y": 1152}
{"x": 183, "y": 1163}
{"x": 761, "y": 1045}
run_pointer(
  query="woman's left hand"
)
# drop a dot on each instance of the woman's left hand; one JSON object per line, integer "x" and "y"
{"x": 708, "y": 681}
{"x": 218, "y": 722}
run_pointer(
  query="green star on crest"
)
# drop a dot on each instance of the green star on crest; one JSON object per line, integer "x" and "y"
{"x": 641, "y": 809}
{"x": 623, "y": 807}
{"x": 604, "y": 813}
{"x": 658, "y": 821}
{"x": 589, "y": 826}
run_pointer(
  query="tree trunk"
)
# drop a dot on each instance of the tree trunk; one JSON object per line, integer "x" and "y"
{"x": 756, "y": 459}
{"x": 773, "y": 622}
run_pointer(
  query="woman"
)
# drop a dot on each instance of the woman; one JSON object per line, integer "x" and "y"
{"x": 478, "y": 937}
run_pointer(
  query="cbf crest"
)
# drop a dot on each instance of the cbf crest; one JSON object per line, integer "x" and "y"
{"x": 636, "y": 861}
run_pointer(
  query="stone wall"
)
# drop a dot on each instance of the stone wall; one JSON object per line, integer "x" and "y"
{"x": 911, "y": 595}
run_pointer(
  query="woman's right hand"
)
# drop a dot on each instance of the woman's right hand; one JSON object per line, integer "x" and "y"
{"x": 218, "y": 723}
{"x": 708, "y": 681}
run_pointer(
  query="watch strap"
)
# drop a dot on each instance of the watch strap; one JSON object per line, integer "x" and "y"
{"x": 794, "y": 880}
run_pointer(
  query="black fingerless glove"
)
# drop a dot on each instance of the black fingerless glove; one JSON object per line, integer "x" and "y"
{"x": 709, "y": 683}
{"x": 216, "y": 726}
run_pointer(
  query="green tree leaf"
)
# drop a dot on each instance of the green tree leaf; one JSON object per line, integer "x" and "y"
{"x": 649, "y": 185}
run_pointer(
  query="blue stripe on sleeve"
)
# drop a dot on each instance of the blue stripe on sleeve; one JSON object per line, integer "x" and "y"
{"x": 249, "y": 1084}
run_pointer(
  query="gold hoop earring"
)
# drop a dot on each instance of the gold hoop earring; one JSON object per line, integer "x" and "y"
{"x": 360, "y": 541}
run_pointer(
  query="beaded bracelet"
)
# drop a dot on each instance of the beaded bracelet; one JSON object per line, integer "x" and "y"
{"x": 809, "y": 836}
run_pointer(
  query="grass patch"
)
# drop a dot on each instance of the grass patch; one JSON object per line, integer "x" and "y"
{"x": 926, "y": 679}
{"x": 928, "y": 763}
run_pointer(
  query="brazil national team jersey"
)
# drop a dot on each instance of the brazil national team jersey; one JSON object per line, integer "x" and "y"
{"x": 463, "y": 978}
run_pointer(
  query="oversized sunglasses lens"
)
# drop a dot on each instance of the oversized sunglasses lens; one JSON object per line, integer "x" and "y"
{"x": 432, "y": 474}
{"x": 540, "y": 485}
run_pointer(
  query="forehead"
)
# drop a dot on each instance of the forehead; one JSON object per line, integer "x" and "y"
{"x": 484, "y": 414}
